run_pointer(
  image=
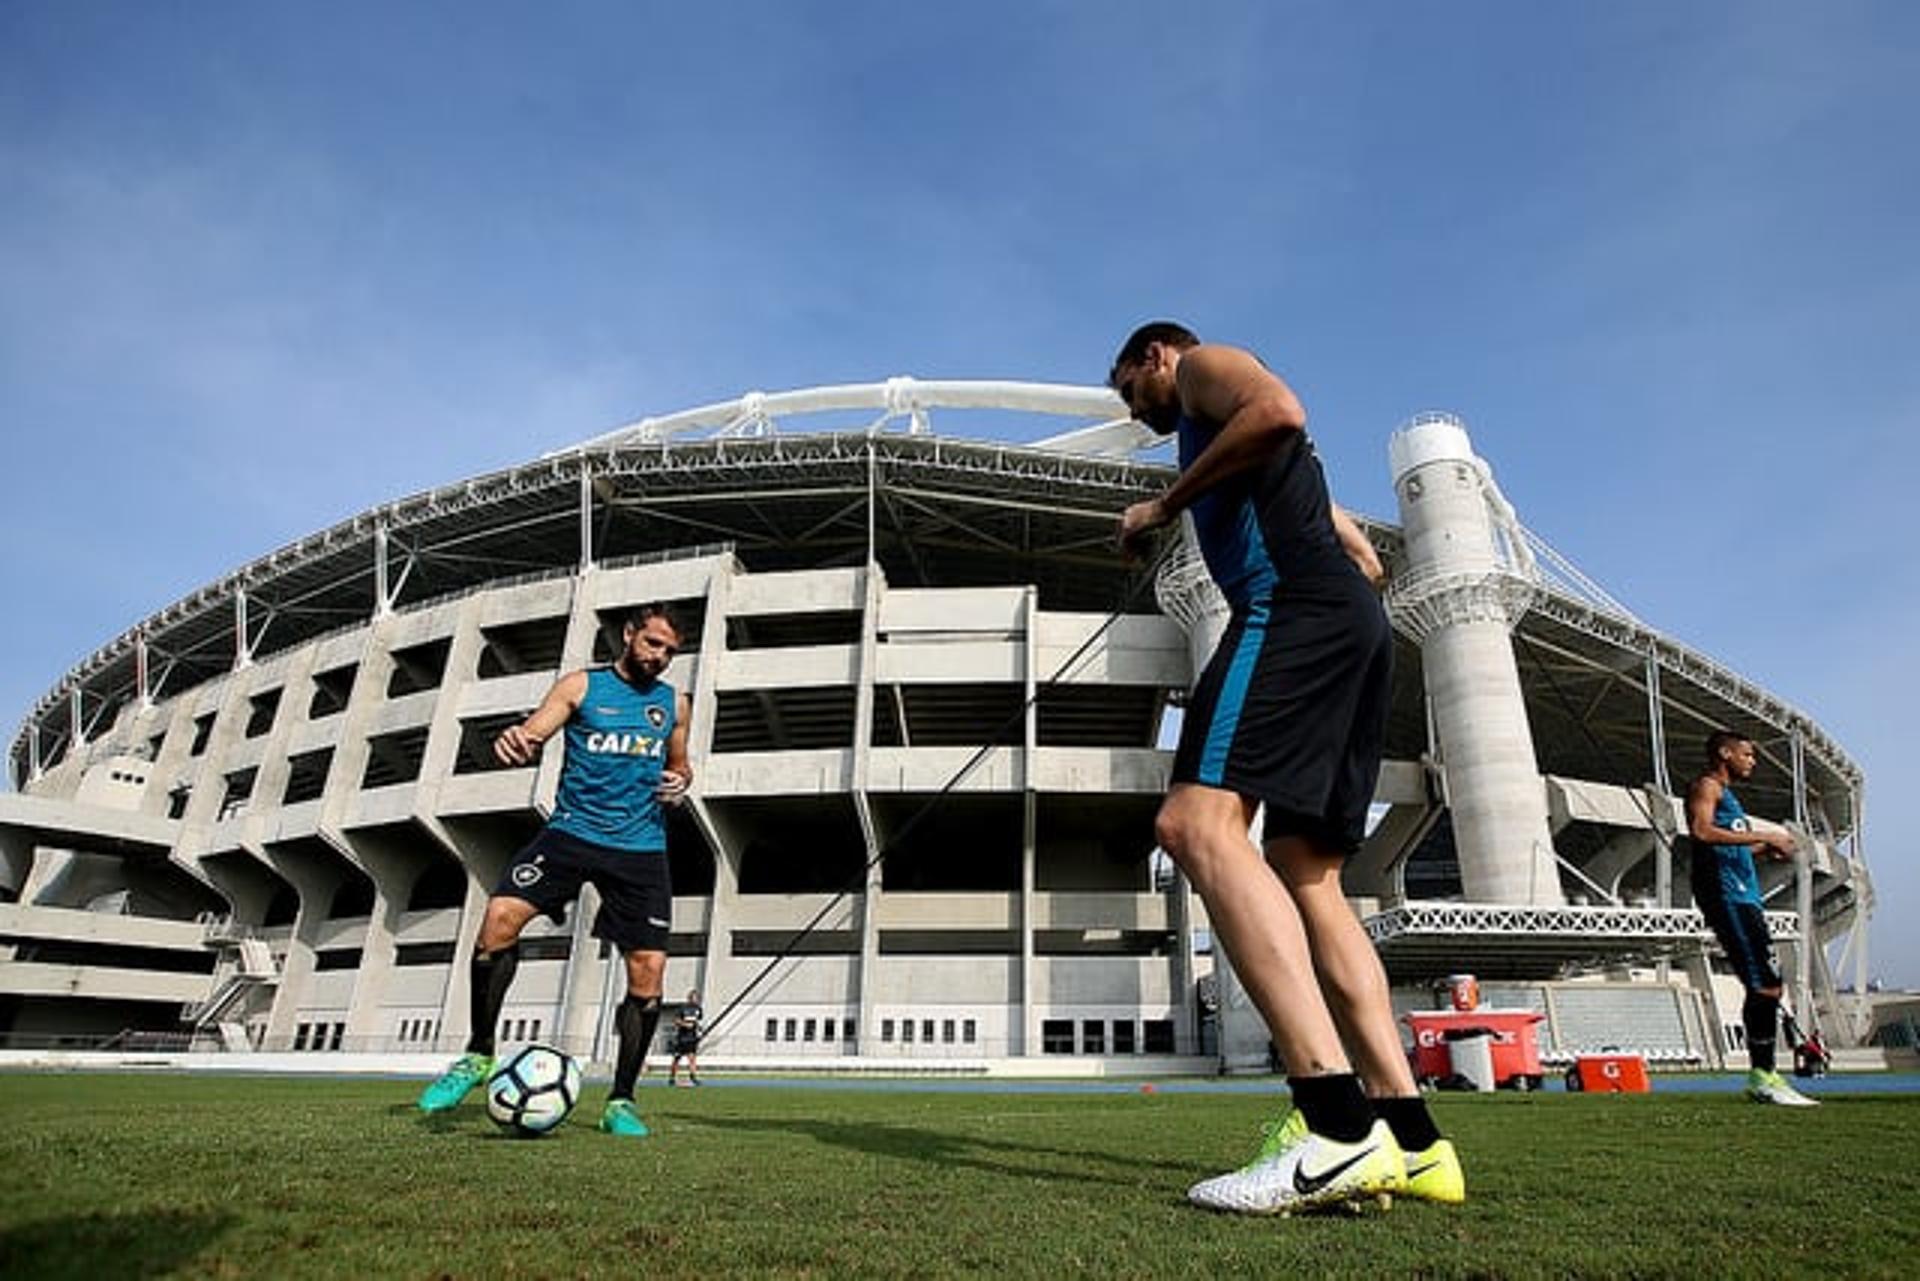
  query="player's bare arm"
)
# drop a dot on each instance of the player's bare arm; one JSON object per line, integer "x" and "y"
{"x": 676, "y": 776}
{"x": 1258, "y": 414}
{"x": 519, "y": 744}
{"x": 1355, "y": 545}
{"x": 1702, "y": 797}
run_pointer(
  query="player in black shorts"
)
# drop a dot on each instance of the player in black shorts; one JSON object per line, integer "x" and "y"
{"x": 686, "y": 1041}
{"x": 1290, "y": 714}
{"x": 1726, "y": 888}
{"x": 626, "y": 756}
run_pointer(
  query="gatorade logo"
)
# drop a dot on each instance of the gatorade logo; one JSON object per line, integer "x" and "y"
{"x": 525, "y": 874}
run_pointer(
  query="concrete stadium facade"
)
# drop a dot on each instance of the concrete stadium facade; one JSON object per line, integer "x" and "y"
{"x": 266, "y": 817}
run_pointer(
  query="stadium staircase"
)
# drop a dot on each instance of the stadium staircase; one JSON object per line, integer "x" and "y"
{"x": 246, "y": 966}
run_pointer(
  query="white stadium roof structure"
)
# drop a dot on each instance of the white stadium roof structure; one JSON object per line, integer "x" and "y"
{"x": 988, "y": 509}
{"x": 769, "y": 475}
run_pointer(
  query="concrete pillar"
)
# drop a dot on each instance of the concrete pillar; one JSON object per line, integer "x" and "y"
{"x": 1028, "y": 1030}
{"x": 873, "y": 588}
{"x": 1465, "y": 582}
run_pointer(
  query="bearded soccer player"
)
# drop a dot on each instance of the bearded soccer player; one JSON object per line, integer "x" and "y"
{"x": 1290, "y": 714}
{"x": 1726, "y": 887}
{"x": 626, "y": 756}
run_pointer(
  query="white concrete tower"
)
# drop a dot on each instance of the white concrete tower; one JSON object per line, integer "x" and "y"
{"x": 1466, "y": 578}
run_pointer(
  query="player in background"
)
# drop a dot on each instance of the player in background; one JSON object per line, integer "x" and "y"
{"x": 1290, "y": 713}
{"x": 1726, "y": 887}
{"x": 626, "y": 756}
{"x": 686, "y": 1040}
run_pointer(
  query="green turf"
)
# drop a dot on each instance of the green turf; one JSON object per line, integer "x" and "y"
{"x": 125, "y": 1176}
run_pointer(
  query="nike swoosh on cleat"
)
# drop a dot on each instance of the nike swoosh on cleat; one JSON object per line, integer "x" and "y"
{"x": 1307, "y": 1184}
{"x": 1418, "y": 1170}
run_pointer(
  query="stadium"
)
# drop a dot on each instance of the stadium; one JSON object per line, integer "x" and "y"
{"x": 931, "y": 726}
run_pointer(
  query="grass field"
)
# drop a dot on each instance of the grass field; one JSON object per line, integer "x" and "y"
{"x": 142, "y": 1176}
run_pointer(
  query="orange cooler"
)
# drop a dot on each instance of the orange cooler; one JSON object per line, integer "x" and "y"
{"x": 1609, "y": 1074}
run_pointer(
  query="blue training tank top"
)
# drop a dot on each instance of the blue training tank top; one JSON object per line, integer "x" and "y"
{"x": 1739, "y": 879}
{"x": 616, "y": 748}
{"x": 1267, "y": 525}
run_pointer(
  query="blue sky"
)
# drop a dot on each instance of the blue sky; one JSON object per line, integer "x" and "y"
{"x": 263, "y": 266}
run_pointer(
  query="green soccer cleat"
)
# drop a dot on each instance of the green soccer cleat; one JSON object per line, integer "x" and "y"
{"x": 1433, "y": 1174}
{"x": 1771, "y": 1087}
{"x": 452, "y": 1085}
{"x": 1299, "y": 1170}
{"x": 621, "y": 1118}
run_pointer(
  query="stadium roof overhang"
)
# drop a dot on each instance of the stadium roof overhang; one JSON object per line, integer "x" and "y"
{"x": 869, "y": 475}
{"x": 1419, "y": 941}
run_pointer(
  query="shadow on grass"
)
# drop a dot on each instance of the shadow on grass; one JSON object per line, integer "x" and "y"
{"x": 952, "y": 1150}
{"x": 142, "y": 1243}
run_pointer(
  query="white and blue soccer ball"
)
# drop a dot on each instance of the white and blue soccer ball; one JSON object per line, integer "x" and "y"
{"x": 533, "y": 1090}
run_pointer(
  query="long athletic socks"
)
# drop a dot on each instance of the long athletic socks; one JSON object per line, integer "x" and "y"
{"x": 1761, "y": 1015}
{"x": 636, "y": 1020}
{"x": 489, "y": 976}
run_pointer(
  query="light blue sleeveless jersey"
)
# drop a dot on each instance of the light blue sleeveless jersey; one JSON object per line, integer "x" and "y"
{"x": 1739, "y": 880}
{"x": 616, "y": 748}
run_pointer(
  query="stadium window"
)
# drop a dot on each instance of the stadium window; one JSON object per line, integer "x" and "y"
{"x": 300, "y": 1037}
{"x": 339, "y": 1035}
{"x": 792, "y": 1025}
{"x": 926, "y": 1031}
{"x": 906, "y": 1031}
{"x": 849, "y": 1030}
{"x": 177, "y": 802}
{"x": 1159, "y": 1036}
{"x": 806, "y": 1033}
{"x": 331, "y": 690}
{"x": 886, "y": 1031}
{"x": 1123, "y": 1036}
{"x": 826, "y": 1029}
{"x": 967, "y": 1031}
{"x": 534, "y": 1032}
{"x": 946, "y": 1031}
{"x": 261, "y": 710}
{"x": 1093, "y": 1036}
{"x": 1056, "y": 1036}
{"x": 773, "y": 1029}
{"x": 202, "y": 731}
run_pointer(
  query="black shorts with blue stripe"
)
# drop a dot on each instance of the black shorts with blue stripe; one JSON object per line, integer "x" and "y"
{"x": 1292, "y": 709}
{"x": 1740, "y": 926}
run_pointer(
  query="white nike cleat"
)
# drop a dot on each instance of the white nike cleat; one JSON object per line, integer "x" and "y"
{"x": 1299, "y": 1170}
{"x": 1771, "y": 1087}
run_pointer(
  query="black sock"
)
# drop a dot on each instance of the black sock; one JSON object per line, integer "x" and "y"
{"x": 1411, "y": 1123}
{"x": 1761, "y": 1015}
{"x": 489, "y": 976}
{"x": 1335, "y": 1106}
{"x": 636, "y": 1019}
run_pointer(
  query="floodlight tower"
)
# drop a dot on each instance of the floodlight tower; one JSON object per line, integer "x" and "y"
{"x": 1466, "y": 579}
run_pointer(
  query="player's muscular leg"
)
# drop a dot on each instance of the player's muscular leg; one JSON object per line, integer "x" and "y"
{"x": 504, "y": 920}
{"x": 1348, "y": 968}
{"x": 646, "y": 972}
{"x": 1204, "y": 829}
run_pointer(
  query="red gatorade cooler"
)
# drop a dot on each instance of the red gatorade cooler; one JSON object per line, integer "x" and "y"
{"x": 1609, "y": 1074}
